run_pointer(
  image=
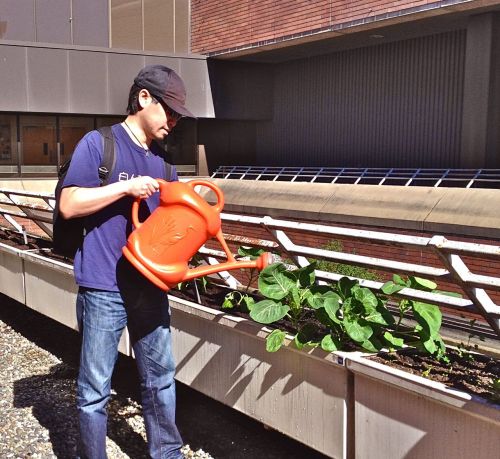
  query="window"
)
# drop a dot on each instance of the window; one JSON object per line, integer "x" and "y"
{"x": 108, "y": 120}
{"x": 8, "y": 140}
{"x": 71, "y": 130}
{"x": 38, "y": 140}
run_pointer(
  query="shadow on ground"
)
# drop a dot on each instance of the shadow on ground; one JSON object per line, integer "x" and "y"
{"x": 203, "y": 422}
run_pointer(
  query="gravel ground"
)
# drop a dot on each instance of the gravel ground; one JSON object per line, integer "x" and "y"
{"x": 38, "y": 367}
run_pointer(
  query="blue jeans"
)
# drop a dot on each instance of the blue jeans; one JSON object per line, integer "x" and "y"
{"x": 102, "y": 316}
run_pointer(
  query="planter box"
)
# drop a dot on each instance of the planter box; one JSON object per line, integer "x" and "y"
{"x": 303, "y": 395}
{"x": 400, "y": 415}
{"x": 50, "y": 288}
{"x": 45, "y": 285}
{"x": 11, "y": 273}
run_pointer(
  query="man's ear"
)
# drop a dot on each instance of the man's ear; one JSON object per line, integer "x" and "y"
{"x": 144, "y": 98}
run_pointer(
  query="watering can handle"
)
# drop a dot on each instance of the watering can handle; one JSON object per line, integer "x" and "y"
{"x": 135, "y": 207}
{"x": 192, "y": 183}
{"x": 218, "y": 192}
{"x": 135, "y": 213}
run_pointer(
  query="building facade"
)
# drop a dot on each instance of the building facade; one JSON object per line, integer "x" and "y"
{"x": 66, "y": 67}
{"x": 290, "y": 83}
{"x": 354, "y": 84}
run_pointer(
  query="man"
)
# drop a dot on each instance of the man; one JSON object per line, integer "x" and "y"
{"x": 112, "y": 294}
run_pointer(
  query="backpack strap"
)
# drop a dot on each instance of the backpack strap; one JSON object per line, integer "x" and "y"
{"x": 169, "y": 171}
{"x": 169, "y": 168}
{"x": 108, "y": 157}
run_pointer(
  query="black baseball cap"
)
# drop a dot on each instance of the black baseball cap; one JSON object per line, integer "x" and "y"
{"x": 164, "y": 84}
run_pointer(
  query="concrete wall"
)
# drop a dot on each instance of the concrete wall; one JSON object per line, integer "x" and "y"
{"x": 463, "y": 212}
{"x": 47, "y": 78}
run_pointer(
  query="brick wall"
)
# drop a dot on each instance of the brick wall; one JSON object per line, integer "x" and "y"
{"x": 403, "y": 254}
{"x": 223, "y": 24}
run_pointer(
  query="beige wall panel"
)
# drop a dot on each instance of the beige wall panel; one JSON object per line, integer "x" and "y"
{"x": 182, "y": 26}
{"x": 47, "y": 80}
{"x": 171, "y": 62}
{"x": 17, "y": 20}
{"x": 87, "y": 82}
{"x": 13, "y": 78}
{"x": 194, "y": 72}
{"x": 90, "y": 22}
{"x": 126, "y": 24}
{"x": 52, "y": 21}
{"x": 122, "y": 69}
{"x": 159, "y": 25}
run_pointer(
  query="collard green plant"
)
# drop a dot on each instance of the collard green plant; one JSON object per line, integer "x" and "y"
{"x": 238, "y": 299}
{"x": 349, "y": 313}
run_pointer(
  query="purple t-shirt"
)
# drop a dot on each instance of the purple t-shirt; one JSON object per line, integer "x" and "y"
{"x": 107, "y": 230}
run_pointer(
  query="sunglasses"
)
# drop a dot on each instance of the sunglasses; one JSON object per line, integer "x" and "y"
{"x": 171, "y": 114}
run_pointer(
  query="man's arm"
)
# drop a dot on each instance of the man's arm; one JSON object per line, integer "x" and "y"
{"x": 79, "y": 201}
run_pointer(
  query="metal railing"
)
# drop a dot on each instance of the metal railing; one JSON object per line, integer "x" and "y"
{"x": 458, "y": 178}
{"x": 451, "y": 254}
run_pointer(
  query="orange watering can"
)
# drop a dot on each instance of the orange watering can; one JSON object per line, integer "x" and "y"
{"x": 161, "y": 246}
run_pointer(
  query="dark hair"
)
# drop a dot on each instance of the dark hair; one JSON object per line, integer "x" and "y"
{"x": 133, "y": 100}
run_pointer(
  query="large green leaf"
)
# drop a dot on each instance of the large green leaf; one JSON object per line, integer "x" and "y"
{"x": 249, "y": 302}
{"x": 345, "y": 285}
{"x": 275, "y": 340}
{"x": 268, "y": 311}
{"x": 376, "y": 317}
{"x": 400, "y": 281}
{"x": 367, "y": 298}
{"x": 428, "y": 342}
{"x": 324, "y": 318}
{"x": 422, "y": 284}
{"x": 252, "y": 252}
{"x": 428, "y": 316}
{"x": 305, "y": 275}
{"x": 371, "y": 345}
{"x": 274, "y": 283}
{"x": 390, "y": 288}
{"x": 393, "y": 341}
{"x": 305, "y": 336}
{"x": 328, "y": 344}
{"x": 357, "y": 330}
{"x": 317, "y": 299}
{"x": 331, "y": 306}
{"x": 296, "y": 297}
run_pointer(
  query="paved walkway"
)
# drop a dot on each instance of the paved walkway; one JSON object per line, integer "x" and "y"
{"x": 38, "y": 362}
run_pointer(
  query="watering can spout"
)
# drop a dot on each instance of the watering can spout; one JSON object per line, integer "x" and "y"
{"x": 260, "y": 263}
{"x": 161, "y": 246}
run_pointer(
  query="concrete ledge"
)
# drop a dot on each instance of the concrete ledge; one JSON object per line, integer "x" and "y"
{"x": 458, "y": 211}
{"x": 454, "y": 211}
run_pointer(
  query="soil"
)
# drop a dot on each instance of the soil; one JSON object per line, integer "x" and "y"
{"x": 466, "y": 370}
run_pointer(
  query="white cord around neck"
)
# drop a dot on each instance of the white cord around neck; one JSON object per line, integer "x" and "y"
{"x": 135, "y": 137}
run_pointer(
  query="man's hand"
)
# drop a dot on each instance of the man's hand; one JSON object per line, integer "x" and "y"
{"x": 142, "y": 187}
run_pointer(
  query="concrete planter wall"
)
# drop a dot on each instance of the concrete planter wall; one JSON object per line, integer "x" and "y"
{"x": 304, "y": 395}
{"x": 399, "y": 415}
{"x": 43, "y": 284}
{"x": 11, "y": 273}
{"x": 50, "y": 288}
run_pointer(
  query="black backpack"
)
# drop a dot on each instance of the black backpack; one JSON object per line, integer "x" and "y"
{"x": 67, "y": 235}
